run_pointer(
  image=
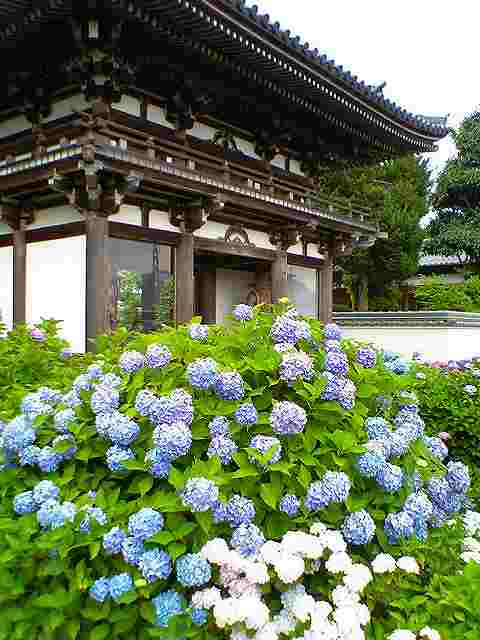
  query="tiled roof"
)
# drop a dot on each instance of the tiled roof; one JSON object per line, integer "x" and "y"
{"x": 435, "y": 126}
{"x": 439, "y": 261}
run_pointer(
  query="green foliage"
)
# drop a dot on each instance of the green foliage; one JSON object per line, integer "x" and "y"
{"x": 436, "y": 294}
{"x": 164, "y": 311}
{"x": 456, "y": 227}
{"x": 390, "y": 301}
{"x": 397, "y": 193}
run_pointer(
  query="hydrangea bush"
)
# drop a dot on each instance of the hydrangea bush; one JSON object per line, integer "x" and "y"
{"x": 266, "y": 480}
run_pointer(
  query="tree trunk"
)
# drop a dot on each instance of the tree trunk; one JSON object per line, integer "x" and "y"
{"x": 362, "y": 293}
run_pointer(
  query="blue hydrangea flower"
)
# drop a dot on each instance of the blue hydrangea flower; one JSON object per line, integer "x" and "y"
{"x": 381, "y": 447}
{"x": 332, "y": 345}
{"x": 63, "y": 419}
{"x": 167, "y": 605}
{"x": 390, "y": 477}
{"x": 24, "y": 503}
{"x": 201, "y": 373}
{"x": 95, "y": 371}
{"x": 398, "y": 526}
{"x": 93, "y": 513}
{"x": 131, "y": 361}
{"x": 288, "y": 418}
{"x": 229, "y": 385}
{"x": 158, "y": 356}
{"x": 290, "y": 505}
{"x": 337, "y": 363}
{"x": 114, "y": 540}
{"x": 68, "y": 453}
{"x": 199, "y": 616}
{"x": 366, "y": 357}
{"x": 243, "y": 312}
{"x": 198, "y": 332}
{"x": 193, "y": 570}
{"x": 157, "y": 465}
{"x": 32, "y": 407}
{"x": 286, "y": 329}
{"x": 110, "y": 380}
{"x": 18, "y": 434}
{"x": 358, "y": 528}
{"x": 239, "y": 510}
{"x": 219, "y": 426}
{"x": 52, "y": 396}
{"x": 436, "y": 446}
{"x": 219, "y": 512}
{"x": 339, "y": 388}
{"x": 48, "y": 459}
{"x": 333, "y": 487}
{"x": 72, "y": 399}
{"x": 295, "y": 366}
{"x": 145, "y": 523}
{"x": 370, "y": 463}
{"x": 398, "y": 366}
{"x": 120, "y": 585}
{"x": 104, "y": 400}
{"x": 400, "y": 442}
{"x": 471, "y": 389}
{"x": 183, "y": 406}
{"x": 263, "y": 444}
{"x": 133, "y": 550}
{"x": 388, "y": 356}
{"x": 122, "y": 430}
{"x": 155, "y": 564}
{"x": 458, "y": 477}
{"x": 28, "y": 457}
{"x": 144, "y": 402}
{"x": 418, "y": 505}
{"x": 223, "y": 447}
{"x": 66, "y": 353}
{"x": 45, "y": 490}
{"x": 332, "y": 332}
{"x": 52, "y": 514}
{"x": 421, "y": 528}
{"x": 174, "y": 440}
{"x": 81, "y": 383}
{"x": 200, "y": 494}
{"x": 116, "y": 455}
{"x": 246, "y": 414}
{"x": 439, "y": 517}
{"x": 100, "y": 590}
{"x": 247, "y": 540}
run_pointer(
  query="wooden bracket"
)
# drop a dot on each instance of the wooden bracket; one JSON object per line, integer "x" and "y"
{"x": 285, "y": 237}
{"x": 191, "y": 217}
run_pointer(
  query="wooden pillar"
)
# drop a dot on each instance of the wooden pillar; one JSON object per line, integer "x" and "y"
{"x": 207, "y": 282}
{"x": 184, "y": 283}
{"x": 280, "y": 276}
{"x": 326, "y": 289}
{"x": 19, "y": 275}
{"x": 98, "y": 276}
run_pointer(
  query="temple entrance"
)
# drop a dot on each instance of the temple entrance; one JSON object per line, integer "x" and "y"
{"x": 223, "y": 281}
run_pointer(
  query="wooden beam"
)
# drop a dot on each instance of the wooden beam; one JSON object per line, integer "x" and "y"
{"x": 207, "y": 283}
{"x": 280, "y": 276}
{"x": 326, "y": 289}
{"x": 206, "y": 245}
{"x": 98, "y": 277}
{"x": 184, "y": 283}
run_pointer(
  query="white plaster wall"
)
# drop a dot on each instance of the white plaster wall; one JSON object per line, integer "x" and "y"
{"x": 259, "y": 239}
{"x": 279, "y": 161}
{"x": 303, "y": 290}
{"x": 157, "y": 115}
{"x": 128, "y": 214}
{"x": 159, "y": 220}
{"x": 313, "y": 252}
{"x": 67, "y": 106}
{"x": 14, "y": 125}
{"x": 129, "y": 105}
{"x": 297, "y": 249}
{"x": 137, "y": 256}
{"x": 232, "y": 289}
{"x": 247, "y": 148}
{"x": 56, "y": 283}
{"x": 212, "y": 230}
{"x": 203, "y": 131}
{"x": 6, "y": 286}
{"x": 434, "y": 343}
{"x": 55, "y": 216}
{"x": 295, "y": 167}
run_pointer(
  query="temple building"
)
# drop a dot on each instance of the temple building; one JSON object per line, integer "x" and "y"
{"x": 159, "y": 160}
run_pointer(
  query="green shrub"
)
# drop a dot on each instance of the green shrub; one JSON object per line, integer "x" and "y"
{"x": 435, "y": 294}
{"x": 157, "y": 405}
{"x": 389, "y": 302}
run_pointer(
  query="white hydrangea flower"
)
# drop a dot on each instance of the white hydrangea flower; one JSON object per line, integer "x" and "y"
{"x": 318, "y": 529}
{"x": 471, "y": 520}
{"x": 216, "y": 551}
{"x": 357, "y": 577}
{"x": 238, "y": 633}
{"x": 243, "y": 587}
{"x": 363, "y": 614}
{"x": 256, "y": 572}
{"x": 339, "y": 562}
{"x": 334, "y": 541}
{"x": 469, "y": 556}
{"x": 255, "y": 613}
{"x": 289, "y": 567}
{"x": 269, "y": 551}
{"x": 320, "y": 613}
{"x": 384, "y": 563}
{"x": 268, "y": 632}
{"x": 430, "y": 634}
{"x": 342, "y": 596}
{"x": 227, "y": 612}
{"x": 207, "y": 598}
{"x": 408, "y": 564}
{"x": 402, "y": 634}
{"x": 471, "y": 544}
{"x": 347, "y": 621}
{"x": 302, "y": 607}
{"x": 285, "y": 622}
{"x": 303, "y": 544}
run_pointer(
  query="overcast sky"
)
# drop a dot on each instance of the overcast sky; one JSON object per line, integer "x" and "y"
{"x": 426, "y": 50}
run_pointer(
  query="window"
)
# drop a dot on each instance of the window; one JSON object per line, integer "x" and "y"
{"x": 303, "y": 290}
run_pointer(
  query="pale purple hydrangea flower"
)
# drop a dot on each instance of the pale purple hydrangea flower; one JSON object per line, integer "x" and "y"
{"x": 262, "y": 444}
{"x": 336, "y": 362}
{"x": 223, "y": 447}
{"x": 246, "y": 415}
{"x": 290, "y": 505}
{"x": 198, "y": 332}
{"x": 201, "y": 373}
{"x": 366, "y": 357}
{"x": 229, "y": 385}
{"x": 295, "y": 366}
{"x": 243, "y": 312}
{"x": 174, "y": 440}
{"x": 219, "y": 426}
{"x": 38, "y": 335}
{"x": 200, "y": 494}
{"x": 358, "y": 528}
{"x": 288, "y": 418}
{"x": 158, "y": 356}
{"x": 131, "y": 361}
{"x": 332, "y": 332}
{"x": 238, "y": 510}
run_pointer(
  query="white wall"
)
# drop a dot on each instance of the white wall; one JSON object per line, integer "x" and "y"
{"x": 159, "y": 220}
{"x": 157, "y": 115}
{"x": 56, "y": 283}
{"x": 55, "y": 216}
{"x": 129, "y": 105}
{"x": 434, "y": 343}
{"x": 67, "y": 106}
{"x": 6, "y": 286}
{"x": 128, "y": 214}
{"x": 203, "y": 131}
{"x": 14, "y": 125}
{"x": 303, "y": 290}
{"x": 232, "y": 289}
